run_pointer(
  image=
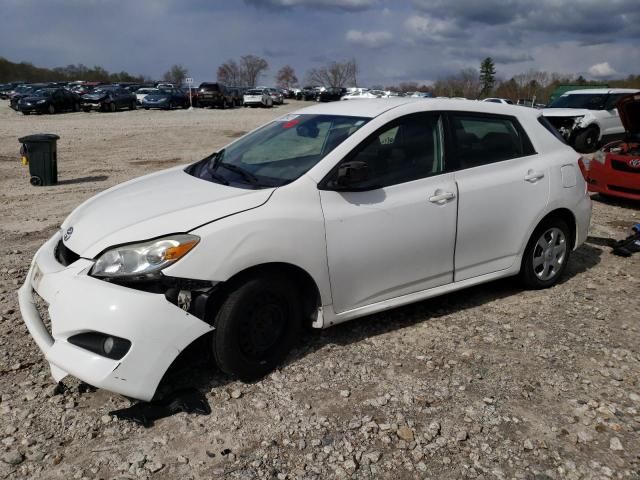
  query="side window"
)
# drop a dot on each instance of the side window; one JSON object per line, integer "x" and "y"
{"x": 611, "y": 101}
{"x": 479, "y": 140}
{"x": 407, "y": 149}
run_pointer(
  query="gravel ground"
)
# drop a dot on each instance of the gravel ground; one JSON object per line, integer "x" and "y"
{"x": 492, "y": 382}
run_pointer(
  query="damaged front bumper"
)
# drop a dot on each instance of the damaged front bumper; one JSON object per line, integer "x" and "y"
{"x": 77, "y": 303}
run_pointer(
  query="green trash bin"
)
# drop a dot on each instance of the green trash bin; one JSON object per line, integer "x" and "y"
{"x": 40, "y": 151}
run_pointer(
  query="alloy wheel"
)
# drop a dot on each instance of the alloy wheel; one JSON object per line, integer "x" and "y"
{"x": 549, "y": 254}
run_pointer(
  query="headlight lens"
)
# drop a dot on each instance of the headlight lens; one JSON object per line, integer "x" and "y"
{"x": 143, "y": 259}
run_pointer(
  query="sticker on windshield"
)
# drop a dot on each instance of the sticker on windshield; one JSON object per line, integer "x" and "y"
{"x": 287, "y": 118}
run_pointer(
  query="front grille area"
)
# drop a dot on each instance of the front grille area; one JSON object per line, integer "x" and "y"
{"x": 64, "y": 255}
{"x": 634, "y": 191}
{"x": 43, "y": 310}
{"x": 623, "y": 167}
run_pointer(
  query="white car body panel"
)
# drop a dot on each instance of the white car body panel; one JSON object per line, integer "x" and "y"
{"x": 366, "y": 252}
{"x": 96, "y": 227}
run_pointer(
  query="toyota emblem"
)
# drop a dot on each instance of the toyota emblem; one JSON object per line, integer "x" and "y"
{"x": 635, "y": 163}
{"x": 67, "y": 234}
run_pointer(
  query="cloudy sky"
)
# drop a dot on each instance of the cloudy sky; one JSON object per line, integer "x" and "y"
{"x": 392, "y": 40}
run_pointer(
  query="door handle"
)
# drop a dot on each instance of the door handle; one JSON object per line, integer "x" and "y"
{"x": 533, "y": 176}
{"x": 441, "y": 197}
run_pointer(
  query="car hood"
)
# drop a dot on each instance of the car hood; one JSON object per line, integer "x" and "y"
{"x": 170, "y": 201}
{"x": 564, "y": 112}
{"x": 154, "y": 97}
{"x": 94, "y": 96}
{"x": 33, "y": 99}
{"x": 629, "y": 110}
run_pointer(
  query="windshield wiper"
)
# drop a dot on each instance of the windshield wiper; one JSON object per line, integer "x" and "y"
{"x": 250, "y": 177}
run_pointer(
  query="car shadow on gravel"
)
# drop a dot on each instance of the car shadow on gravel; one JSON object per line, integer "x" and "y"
{"x": 196, "y": 368}
{"x": 94, "y": 178}
{"x": 617, "y": 202}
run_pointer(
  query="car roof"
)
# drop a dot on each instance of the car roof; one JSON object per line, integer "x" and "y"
{"x": 375, "y": 107}
{"x": 600, "y": 91}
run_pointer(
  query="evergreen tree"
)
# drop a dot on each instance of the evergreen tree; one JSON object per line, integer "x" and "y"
{"x": 487, "y": 76}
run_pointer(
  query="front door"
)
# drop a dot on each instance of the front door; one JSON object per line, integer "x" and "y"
{"x": 397, "y": 234}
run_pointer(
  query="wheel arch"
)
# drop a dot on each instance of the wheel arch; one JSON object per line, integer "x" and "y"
{"x": 307, "y": 286}
{"x": 568, "y": 217}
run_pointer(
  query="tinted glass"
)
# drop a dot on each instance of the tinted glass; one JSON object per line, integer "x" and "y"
{"x": 591, "y": 101}
{"x": 279, "y": 152}
{"x": 479, "y": 140}
{"x": 405, "y": 150}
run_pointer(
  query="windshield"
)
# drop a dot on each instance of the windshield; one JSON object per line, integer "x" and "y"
{"x": 277, "y": 153}
{"x": 591, "y": 101}
{"x": 148, "y": 90}
{"x": 43, "y": 92}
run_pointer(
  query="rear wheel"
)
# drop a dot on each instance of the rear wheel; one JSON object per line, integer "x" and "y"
{"x": 547, "y": 254}
{"x": 256, "y": 326}
{"x": 587, "y": 140}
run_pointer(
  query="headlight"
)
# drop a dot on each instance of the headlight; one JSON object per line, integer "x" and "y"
{"x": 143, "y": 259}
{"x": 39, "y": 102}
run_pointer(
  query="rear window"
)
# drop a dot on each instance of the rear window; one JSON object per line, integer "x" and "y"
{"x": 547, "y": 124}
{"x": 210, "y": 87}
{"x": 254, "y": 92}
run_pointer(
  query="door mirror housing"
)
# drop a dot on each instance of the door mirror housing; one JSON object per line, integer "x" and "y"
{"x": 351, "y": 174}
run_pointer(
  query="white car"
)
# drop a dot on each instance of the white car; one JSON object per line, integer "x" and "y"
{"x": 505, "y": 101}
{"x": 356, "y": 95}
{"x": 325, "y": 215}
{"x": 143, "y": 92}
{"x": 257, "y": 97}
{"x": 587, "y": 118}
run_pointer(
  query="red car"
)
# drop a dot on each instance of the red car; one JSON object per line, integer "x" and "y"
{"x": 615, "y": 168}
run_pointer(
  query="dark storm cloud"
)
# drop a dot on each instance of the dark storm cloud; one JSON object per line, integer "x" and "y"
{"x": 392, "y": 40}
{"x": 348, "y": 5}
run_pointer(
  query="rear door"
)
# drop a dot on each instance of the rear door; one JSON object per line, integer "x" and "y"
{"x": 503, "y": 185}
{"x": 396, "y": 236}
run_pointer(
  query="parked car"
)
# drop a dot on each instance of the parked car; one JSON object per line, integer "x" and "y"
{"x": 358, "y": 95}
{"x": 26, "y": 90}
{"x": 215, "y": 95}
{"x": 308, "y": 93}
{"x": 236, "y": 94}
{"x": 505, "y": 101}
{"x": 166, "y": 99}
{"x": 331, "y": 94}
{"x": 256, "y": 97}
{"x": 587, "y": 118}
{"x": 143, "y": 92}
{"x": 276, "y": 96}
{"x": 614, "y": 170}
{"x": 50, "y": 100}
{"x": 108, "y": 99}
{"x": 318, "y": 217}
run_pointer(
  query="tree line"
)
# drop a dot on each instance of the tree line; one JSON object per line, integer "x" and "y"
{"x": 248, "y": 70}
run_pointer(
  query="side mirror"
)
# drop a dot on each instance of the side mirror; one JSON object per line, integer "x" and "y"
{"x": 352, "y": 173}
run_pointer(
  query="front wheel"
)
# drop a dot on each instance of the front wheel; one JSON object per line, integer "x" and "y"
{"x": 256, "y": 326}
{"x": 547, "y": 254}
{"x": 587, "y": 140}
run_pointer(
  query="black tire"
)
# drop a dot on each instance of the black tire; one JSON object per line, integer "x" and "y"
{"x": 256, "y": 326}
{"x": 76, "y": 107}
{"x": 224, "y": 104}
{"x": 35, "y": 181}
{"x": 132, "y": 106}
{"x": 146, "y": 108}
{"x": 170, "y": 106}
{"x": 587, "y": 140}
{"x": 51, "y": 109}
{"x": 86, "y": 110}
{"x": 25, "y": 112}
{"x": 112, "y": 107}
{"x": 547, "y": 254}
